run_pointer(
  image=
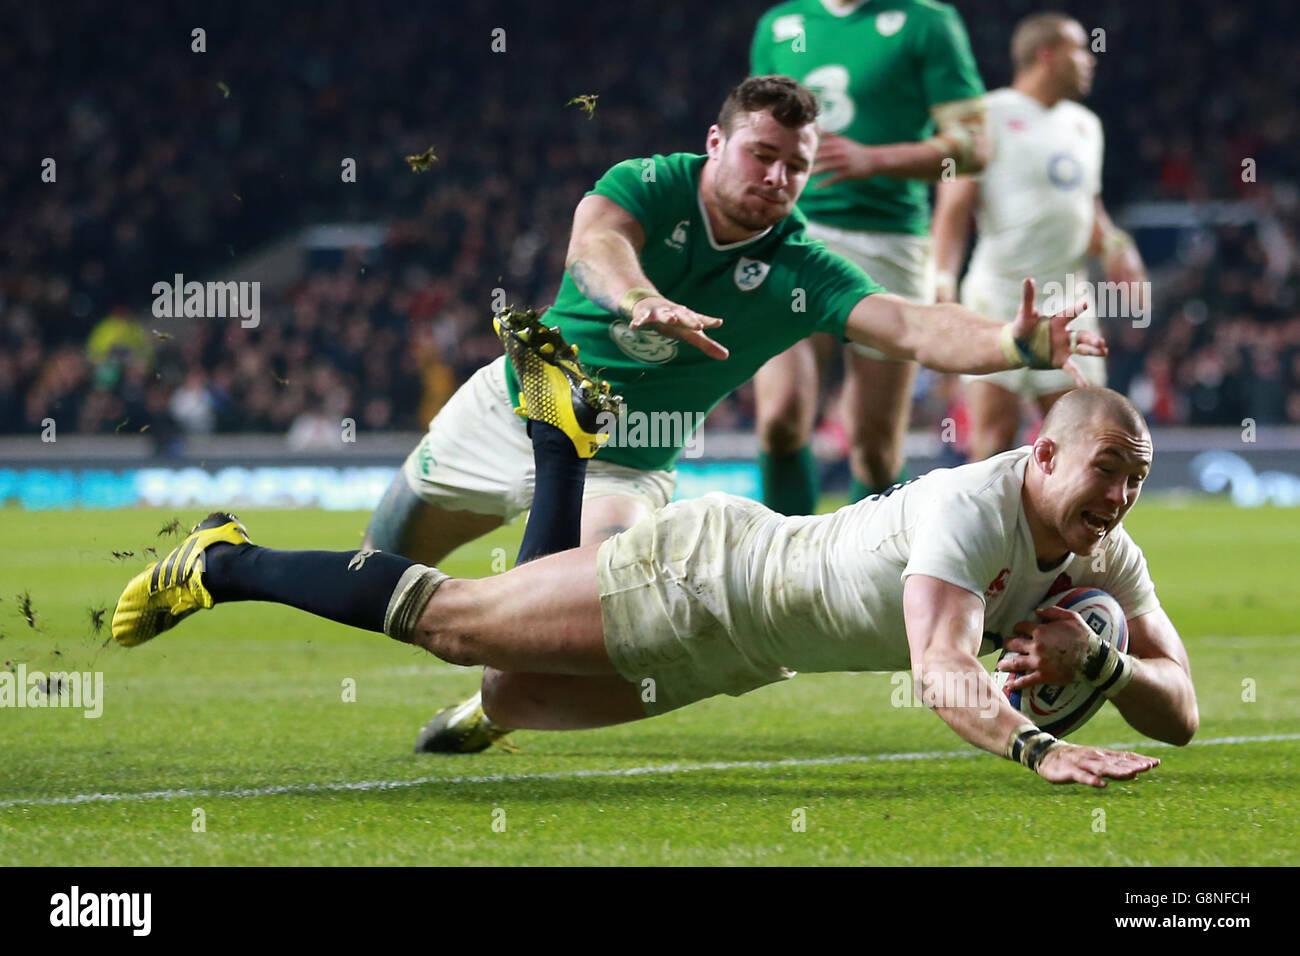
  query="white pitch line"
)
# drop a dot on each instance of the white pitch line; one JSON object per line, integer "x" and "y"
{"x": 365, "y": 785}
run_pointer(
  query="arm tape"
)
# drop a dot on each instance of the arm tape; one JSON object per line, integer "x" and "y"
{"x": 631, "y": 297}
{"x": 1106, "y": 667}
{"x": 1113, "y": 242}
{"x": 959, "y": 124}
{"x": 1033, "y": 351}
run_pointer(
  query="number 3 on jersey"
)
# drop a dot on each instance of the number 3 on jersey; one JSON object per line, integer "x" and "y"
{"x": 831, "y": 84}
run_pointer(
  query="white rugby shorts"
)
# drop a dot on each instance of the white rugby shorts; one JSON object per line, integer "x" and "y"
{"x": 673, "y": 602}
{"x": 476, "y": 456}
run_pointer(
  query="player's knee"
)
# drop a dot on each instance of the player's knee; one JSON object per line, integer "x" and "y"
{"x": 783, "y": 434}
{"x": 876, "y": 465}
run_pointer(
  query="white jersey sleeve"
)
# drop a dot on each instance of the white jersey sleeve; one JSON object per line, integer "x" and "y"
{"x": 962, "y": 539}
{"x": 1121, "y": 571}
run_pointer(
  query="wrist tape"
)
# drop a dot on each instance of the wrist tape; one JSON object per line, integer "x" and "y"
{"x": 1030, "y": 746}
{"x": 1033, "y": 351}
{"x": 631, "y": 297}
{"x": 1106, "y": 667}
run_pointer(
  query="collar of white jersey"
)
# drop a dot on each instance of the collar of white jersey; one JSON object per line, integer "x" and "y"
{"x": 708, "y": 229}
{"x": 1036, "y": 103}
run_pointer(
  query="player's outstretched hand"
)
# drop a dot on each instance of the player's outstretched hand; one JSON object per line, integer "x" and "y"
{"x": 1070, "y": 763}
{"x": 1065, "y": 342}
{"x": 678, "y": 322}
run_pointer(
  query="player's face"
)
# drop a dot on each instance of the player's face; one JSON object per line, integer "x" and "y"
{"x": 760, "y": 169}
{"x": 1073, "y": 63}
{"x": 1096, "y": 478}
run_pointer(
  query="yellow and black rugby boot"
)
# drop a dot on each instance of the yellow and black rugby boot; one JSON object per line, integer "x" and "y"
{"x": 462, "y": 729}
{"x": 167, "y": 591}
{"x": 554, "y": 387}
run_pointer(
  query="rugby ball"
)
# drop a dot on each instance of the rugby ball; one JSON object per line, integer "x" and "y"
{"x": 1060, "y": 710}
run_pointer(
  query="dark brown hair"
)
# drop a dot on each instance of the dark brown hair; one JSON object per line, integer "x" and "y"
{"x": 790, "y": 103}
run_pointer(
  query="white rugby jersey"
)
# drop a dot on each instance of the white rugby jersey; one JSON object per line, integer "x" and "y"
{"x": 1036, "y": 201}
{"x": 825, "y": 593}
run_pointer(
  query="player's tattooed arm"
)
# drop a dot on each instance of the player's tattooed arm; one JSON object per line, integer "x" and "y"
{"x": 603, "y": 252}
{"x": 603, "y": 261}
{"x": 584, "y": 278}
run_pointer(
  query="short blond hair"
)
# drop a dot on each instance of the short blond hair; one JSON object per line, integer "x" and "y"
{"x": 1035, "y": 32}
{"x": 1078, "y": 407}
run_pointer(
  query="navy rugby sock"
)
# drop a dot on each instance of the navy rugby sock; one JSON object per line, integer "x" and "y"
{"x": 790, "y": 482}
{"x": 555, "y": 522}
{"x": 352, "y": 587}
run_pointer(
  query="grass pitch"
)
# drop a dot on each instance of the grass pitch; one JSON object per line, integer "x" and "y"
{"x": 230, "y": 741}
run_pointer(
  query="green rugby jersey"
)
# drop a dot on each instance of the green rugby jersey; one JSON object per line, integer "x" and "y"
{"x": 876, "y": 71}
{"x": 771, "y": 291}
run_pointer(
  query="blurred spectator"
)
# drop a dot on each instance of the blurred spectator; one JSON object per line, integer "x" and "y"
{"x": 171, "y": 161}
{"x": 192, "y": 405}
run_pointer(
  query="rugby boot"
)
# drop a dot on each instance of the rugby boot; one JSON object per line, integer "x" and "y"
{"x": 554, "y": 387}
{"x": 170, "y": 590}
{"x": 462, "y": 729}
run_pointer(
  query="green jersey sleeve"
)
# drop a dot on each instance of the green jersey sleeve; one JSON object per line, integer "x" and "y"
{"x": 834, "y": 286}
{"x": 638, "y": 186}
{"x": 948, "y": 70}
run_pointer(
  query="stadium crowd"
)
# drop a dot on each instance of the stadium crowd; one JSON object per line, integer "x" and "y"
{"x": 169, "y": 160}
